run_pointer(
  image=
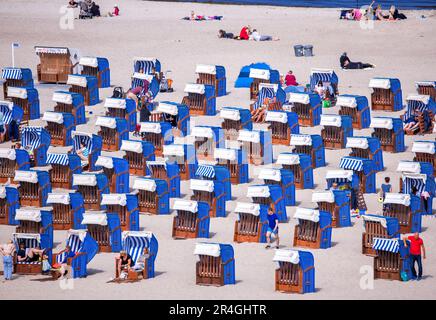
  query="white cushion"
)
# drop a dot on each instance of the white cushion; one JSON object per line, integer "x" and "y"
{"x": 114, "y": 199}
{"x": 259, "y": 74}
{"x": 115, "y": 103}
{"x": 323, "y": 196}
{"x": 227, "y": 154}
{"x": 301, "y": 140}
{"x": 95, "y": 217}
{"x": 8, "y": 104}
{"x": 144, "y": 184}
{"x": 75, "y": 80}
{"x": 230, "y": 114}
{"x": 270, "y": 174}
{"x": 132, "y": 146}
{"x": 339, "y": 174}
{"x": 89, "y": 61}
{"x": 258, "y": 191}
{"x": 384, "y": 123}
{"x": 7, "y": 153}
{"x": 84, "y": 180}
{"x": 248, "y": 207}
{"x": 307, "y": 214}
{"x": 194, "y": 88}
{"x": 185, "y": 205}
{"x": 53, "y": 117}
{"x": 107, "y": 122}
{"x": 424, "y": 147}
{"x": 174, "y": 150}
{"x": 26, "y": 176}
{"x": 205, "y": 68}
{"x": 105, "y": 162}
{"x": 287, "y": 255}
{"x": 397, "y": 198}
{"x": 331, "y": 120}
{"x": 62, "y": 97}
{"x": 288, "y": 159}
{"x": 380, "y": 83}
{"x": 15, "y": 92}
{"x": 202, "y": 132}
{"x": 167, "y": 108}
{"x": 273, "y": 86}
{"x": 418, "y": 97}
{"x": 207, "y": 249}
{"x": 143, "y": 76}
{"x": 249, "y": 136}
{"x": 202, "y": 185}
{"x": 62, "y": 198}
{"x": 409, "y": 166}
{"x": 349, "y": 102}
{"x": 276, "y": 116}
{"x": 359, "y": 143}
{"x": 28, "y": 214}
{"x": 380, "y": 220}
{"x": 302, "y": 98}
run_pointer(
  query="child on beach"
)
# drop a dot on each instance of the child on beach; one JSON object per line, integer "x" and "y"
{"x": 386, "y": 187}
{"x": 257, "y": 37}
{"x": 273, "y": 229}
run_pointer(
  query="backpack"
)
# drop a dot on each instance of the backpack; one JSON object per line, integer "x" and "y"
{"x": 118, "y": 92}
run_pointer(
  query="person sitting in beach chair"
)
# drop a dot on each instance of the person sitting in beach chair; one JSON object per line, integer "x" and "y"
{"x": 124, "y": 264}
{"x": 141, "y": 261}
{"x": 347, "y": 64}
{"x": 83, "y": 153}
{"x": 29, "y": 254}
{"x": 60, "y": 269}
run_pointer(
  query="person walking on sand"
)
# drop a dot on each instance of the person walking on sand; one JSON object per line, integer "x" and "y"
{"x": 7, "y": 251}
{"x": 273, "y": 229}
{"x": 416, "y": 250}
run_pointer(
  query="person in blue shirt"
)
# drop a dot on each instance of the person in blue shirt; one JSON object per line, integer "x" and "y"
{"x": 273, "y": 229}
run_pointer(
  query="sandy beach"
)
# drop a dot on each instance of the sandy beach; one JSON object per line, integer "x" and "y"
{"x": 404, "y": 49}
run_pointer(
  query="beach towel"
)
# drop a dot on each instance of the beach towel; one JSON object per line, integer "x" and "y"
{"x": 203, "y": 18}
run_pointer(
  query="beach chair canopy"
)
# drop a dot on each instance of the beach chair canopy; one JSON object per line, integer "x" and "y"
{"x": 397, "y": 198}
{"x": 11, "y": 112}
{"x": 390, "y": 224}
{"x": 146, "y": 64}
{"x": 324, "y": 75}
{"x": 134, "y": 243}
{"x": 424, "y": 147}
{"x": 12, "y": 73}
{"x": 246, "y": 75}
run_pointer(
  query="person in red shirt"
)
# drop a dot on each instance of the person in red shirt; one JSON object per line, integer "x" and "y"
{"x": 244, "y": 34}
{"x": 290, "y": 79}
{"x": 416, "y": 249}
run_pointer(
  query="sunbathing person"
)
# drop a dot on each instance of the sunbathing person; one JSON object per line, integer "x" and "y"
{"x": 83, "y": 152}
{"x": 61, "y": 267}
{"x": 244, "y": 34}
{"x": 225, "y": 35}
{"x": 395, "y": 15}
{"x": 257, "y": 37}
{"x": 379, "y": 14}
{"x": 347, "y": 64}
{"x": 290, "y": 79}
{"x": 194, "y": 17}
{"x": 124, "y": 264}
{"x": 29, "y": 254}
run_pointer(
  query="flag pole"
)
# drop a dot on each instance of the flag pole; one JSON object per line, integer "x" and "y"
{"x": 13, "y": 54}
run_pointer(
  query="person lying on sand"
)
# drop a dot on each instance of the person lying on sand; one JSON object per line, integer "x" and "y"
{"x": 347, "y": 64}
{"x": 225, "y": 35}
{"x": 194, "y": 17}
{"x": 395, "y": 15}
{"x": 258, "y": 37}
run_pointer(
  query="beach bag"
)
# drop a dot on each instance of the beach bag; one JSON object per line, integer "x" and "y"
{"x": 326, "y": 104}
{"x": 404, "y": 276}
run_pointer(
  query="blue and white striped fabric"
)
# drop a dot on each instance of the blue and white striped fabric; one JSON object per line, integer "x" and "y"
{"x": 7, "y": 114}
{"x": 390, "y": 245}
{"x": 58, "y": 158}
{"x": 263, "y": 94}
{"x": 135, "y": 246}
{"x": 31, "y": 136}
{"x": 146, "y": 66}
{"x": 409, "y": 183}
{"x": 12, "y": 73}
{"x": 324, "y": 77}
{"x": 206, "y": 171}
{"x": 74, "y": 243}
{"x": 351, "y": 164}
{"x": 414, "y": 105}
{"x": 29, "y": 243}
{"x": 85, "y": 140}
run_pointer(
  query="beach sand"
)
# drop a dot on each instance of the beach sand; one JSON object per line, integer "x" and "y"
{"x": 404, "y": 49}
